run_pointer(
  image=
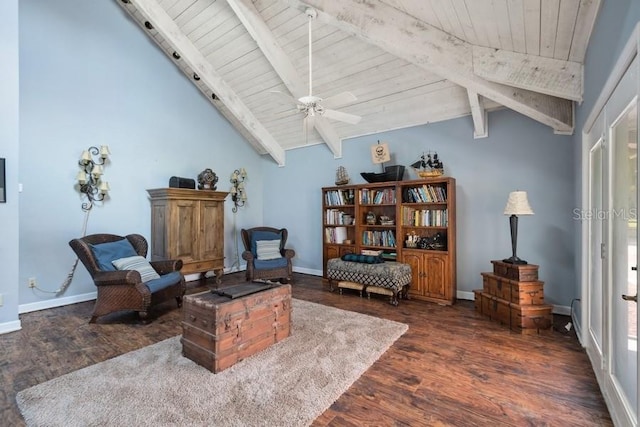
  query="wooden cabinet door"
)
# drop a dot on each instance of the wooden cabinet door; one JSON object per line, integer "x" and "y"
{"x": 414, "y": 259}
{"x": 335, "y": 251}
{"x": 184, "y": 220}
{"x": 436, "y": 275}
{"x": 211, "y": 224}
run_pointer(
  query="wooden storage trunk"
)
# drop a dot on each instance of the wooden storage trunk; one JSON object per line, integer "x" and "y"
{"x": 494, "y": 308}
{"x": 518, "y": 272}
{"x": 531, "y": 319}
{"x": 524, "y": 319}
{"x": 513, "y": 291}
{"x": 218, "y": 332}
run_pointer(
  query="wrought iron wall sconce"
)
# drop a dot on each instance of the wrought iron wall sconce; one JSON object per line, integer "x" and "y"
{"x": 90, "y": 179}
{"x": 238, "y": 192}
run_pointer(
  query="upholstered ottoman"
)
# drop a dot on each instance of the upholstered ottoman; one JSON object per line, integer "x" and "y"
{"x": 394, "y": 276}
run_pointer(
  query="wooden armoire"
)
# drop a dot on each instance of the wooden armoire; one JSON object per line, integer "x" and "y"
{"x": 188, "y": 224}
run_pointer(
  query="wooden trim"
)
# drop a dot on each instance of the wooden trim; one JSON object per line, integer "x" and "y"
{"x": 165, "y": 30}
{"x": 625, "y": 59}
{"x": 279, "y": 60}
{"x": 436, "y": 51}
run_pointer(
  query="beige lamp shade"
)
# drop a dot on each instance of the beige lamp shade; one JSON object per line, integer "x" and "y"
{"x": 104, "y": 151}
{"x": 81, "y": 177}
{"x": 104, "y": 187}
{"x": 518, "y": 204}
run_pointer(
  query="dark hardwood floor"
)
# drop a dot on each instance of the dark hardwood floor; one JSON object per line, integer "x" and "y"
{"x": 451, "y": 368}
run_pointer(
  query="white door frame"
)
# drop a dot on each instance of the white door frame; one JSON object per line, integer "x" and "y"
{"x": 629, "y": 53}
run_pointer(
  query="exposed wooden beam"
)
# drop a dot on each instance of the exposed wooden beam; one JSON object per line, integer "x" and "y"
{"x": 545, "y": 75}
{"x": 585, "y": 21}
{"x": 436, "y": 51}
{"x": 191, "y": 57}
{"x": 260, "y": 32}
{"x": 479, "y": 114}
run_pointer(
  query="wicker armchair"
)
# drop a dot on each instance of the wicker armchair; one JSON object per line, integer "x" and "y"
{"x": 277, "y": 267}
{"x": 124, "y": 289}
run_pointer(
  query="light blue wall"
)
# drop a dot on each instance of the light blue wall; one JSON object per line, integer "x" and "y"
{"x": 9, "y": 150}
{"x": 90, "y": 76}
{"x": 614, "y": 25}
{"x": 519, "y": 154}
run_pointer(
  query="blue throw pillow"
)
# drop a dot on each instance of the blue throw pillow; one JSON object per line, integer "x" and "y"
{"x": 105, "y": 253}
{"x": 262, "y": 235}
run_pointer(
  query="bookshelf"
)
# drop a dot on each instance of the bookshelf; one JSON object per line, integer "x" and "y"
{"x": 408, "y": 221}
{"x": 339, "y": 217}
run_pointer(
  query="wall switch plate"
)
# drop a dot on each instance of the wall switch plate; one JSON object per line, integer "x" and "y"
{"x": 1, "y": 300}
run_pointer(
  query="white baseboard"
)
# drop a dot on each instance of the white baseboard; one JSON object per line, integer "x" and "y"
{"x": 307, "y": 271}
{"x": 562, "y": 310}
{"x": 12, "y": 326}
{"x": 57, "y": 302}
{"x": 465, "y": 295}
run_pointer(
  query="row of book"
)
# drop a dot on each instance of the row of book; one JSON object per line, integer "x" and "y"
{"x": 425, "y": 194}
{"x": 377, "y": 197}
{"x": 379, "y": 238}
{"x": 335, "y": 235}
{"x": 337, "y": 217}
{"x": 338, "y": 197}
{"x": 425, "y": 217}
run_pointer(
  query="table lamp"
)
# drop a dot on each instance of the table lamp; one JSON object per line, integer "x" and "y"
{"x": 517, "y": 204}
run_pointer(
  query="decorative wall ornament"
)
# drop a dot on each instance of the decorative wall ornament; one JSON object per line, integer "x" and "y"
{"x": 92, "y": 183}
{"x": 238, "y": 192}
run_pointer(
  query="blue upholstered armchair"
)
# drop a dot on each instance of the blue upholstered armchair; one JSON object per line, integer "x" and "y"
{"x": 266, "y": 256}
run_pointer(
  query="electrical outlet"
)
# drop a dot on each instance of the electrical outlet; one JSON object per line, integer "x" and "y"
{"x": 32, "y": 282}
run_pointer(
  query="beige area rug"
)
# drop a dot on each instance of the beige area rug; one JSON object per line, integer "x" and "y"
{"x": 289, "y": 384}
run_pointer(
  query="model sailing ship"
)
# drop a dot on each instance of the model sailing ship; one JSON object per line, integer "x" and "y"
{"x": 342, "y": 177}
{"x": 428, "y": 166}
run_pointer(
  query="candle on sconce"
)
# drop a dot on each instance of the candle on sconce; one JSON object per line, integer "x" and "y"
{"x": 104, "y": 151}
{"x": 104, "y": 187}
{"x": 86, "y": 157}
{"x": 81, "y": 177}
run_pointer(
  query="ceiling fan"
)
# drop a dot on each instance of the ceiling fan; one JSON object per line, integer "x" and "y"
{"x": 316, "y": 109}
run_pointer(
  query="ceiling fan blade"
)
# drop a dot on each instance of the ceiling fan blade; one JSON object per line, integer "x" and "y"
{"x": 283, "y": 97}
{"x": 342, "y": 117}
{"x": 339, "y": 100}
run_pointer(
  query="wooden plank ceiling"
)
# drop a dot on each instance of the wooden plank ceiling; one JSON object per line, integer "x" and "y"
{"x": 408, "y": 62}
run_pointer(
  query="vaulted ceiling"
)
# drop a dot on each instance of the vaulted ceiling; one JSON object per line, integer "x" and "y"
{"x": 408, "y": 62}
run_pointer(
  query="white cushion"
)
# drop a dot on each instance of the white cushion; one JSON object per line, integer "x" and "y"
{"x": 138, "y": 263}
{"x": 268, "y": 249}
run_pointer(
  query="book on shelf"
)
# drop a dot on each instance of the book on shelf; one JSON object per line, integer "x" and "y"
{"x": 335, "y": 234}
{"x": 371, "y": 252}
{"x": 425, "y": 194}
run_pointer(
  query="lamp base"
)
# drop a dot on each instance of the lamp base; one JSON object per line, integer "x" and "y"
{"x": 514, "y": 260}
